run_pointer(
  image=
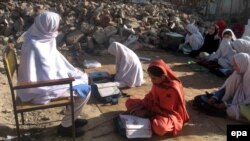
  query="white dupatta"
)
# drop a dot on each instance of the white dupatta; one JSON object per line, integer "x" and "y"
{"x": 128, "y": 66}
{"x": 238, "y": 86}
{"x": 40, "y": 60}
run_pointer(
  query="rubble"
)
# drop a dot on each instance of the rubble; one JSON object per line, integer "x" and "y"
{"x": 96, "y": 24}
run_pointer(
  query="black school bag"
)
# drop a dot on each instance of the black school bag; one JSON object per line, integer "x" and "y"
{"x": 202, "y": 106}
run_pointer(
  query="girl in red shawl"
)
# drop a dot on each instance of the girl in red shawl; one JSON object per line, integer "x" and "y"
{"x": 222, "y": 26}
{"x": 164, "y": 104}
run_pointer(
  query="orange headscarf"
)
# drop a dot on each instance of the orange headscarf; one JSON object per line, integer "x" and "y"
{"x": 165, "y": 68}
{"x": 157, "y": 102}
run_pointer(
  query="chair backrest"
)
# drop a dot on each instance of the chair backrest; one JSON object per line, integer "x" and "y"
{"x": 11, "y": 66}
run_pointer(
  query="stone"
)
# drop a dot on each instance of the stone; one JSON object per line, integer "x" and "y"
{"x": 18, "y": 25}
{"x": 87, "y": 28}
{"x": 100, "y": 36}
{"x": 104, "y": 20}
{"x": 74, "y": 37}
{"x": 117, "y": 19}
{"x": 110, "y": 30}
{"x": 172, "y": 41}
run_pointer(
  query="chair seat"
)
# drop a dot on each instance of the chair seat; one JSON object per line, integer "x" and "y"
{"x": 26, "y": 106}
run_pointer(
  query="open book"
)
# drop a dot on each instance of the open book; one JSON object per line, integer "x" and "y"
{"x": 136, "y": 127}
{"x": 107, "y": 89}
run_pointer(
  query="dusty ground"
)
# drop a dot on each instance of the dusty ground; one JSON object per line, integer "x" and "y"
{"x": 100, "y": 128}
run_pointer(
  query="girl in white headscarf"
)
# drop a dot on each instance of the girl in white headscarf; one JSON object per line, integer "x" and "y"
{"x": 235, "y": 91}
{"x": 247, "y": 29}
{"x": 241, "y": 46}
{"x": 225, "y": 51}
{"x": 40, "y": 60}
{"x": 193, "y": 40}
{"x": 129, "y": 71}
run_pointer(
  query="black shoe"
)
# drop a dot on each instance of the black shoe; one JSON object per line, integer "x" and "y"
{"x": 80, "y": 123}
{"x": 67, "y": 131}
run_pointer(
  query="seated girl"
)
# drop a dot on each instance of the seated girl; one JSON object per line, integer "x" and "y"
{"x": 235, "y": 91}
{"x": 242, "y": 45}
{"x": 129, "y": 71}
{"x": 211, "y": 41}
{"x": 222, "y": 26}
{"x": 164, "y": 104}
{"x": 193, "y": 40}
{"x": 222, "y": 58}
{"x": 40, "y": 60}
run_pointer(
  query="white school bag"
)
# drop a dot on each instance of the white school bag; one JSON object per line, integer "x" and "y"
{"x": 130, "y": 126}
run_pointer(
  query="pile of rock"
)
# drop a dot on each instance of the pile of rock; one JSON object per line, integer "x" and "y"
{"x": 93, "y": 24}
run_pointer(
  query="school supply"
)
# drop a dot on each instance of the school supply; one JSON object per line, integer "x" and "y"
{"x": 100, "y": 77}
{"x": 130, "y": 126}
{"x": 106, "y": 92}
{"x": 91, "y": 64}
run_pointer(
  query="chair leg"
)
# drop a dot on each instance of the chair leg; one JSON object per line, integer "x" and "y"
{"x": 17, "y": 127}
{"x": 73, "y": 121}
{"x": 22, "y": 118}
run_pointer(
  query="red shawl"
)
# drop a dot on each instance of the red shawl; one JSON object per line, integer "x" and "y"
{"x": 168, "y": 99}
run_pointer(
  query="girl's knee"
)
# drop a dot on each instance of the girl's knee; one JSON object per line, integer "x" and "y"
{"x": 130, "y": 103}
{"x": 158, "y": 128}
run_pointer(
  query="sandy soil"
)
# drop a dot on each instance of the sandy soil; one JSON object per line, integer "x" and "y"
{"x": 100, "y": 128}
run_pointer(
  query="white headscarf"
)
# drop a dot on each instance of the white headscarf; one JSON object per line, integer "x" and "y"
{"x": 224, "y": 53}
{"x": 246, "y": 38}
{"x": 233, "y": 35}
{"x": 241, "y": 46}
{"x": 40, "y": 60}
{"x": 247, "y": 29}
{"x": 196, "y": 39}
{"x": 237, "y": 85}
{"x": 128, "y": 66}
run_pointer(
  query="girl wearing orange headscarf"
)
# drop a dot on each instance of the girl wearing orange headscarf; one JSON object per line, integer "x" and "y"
{"x": 164, "y": 104}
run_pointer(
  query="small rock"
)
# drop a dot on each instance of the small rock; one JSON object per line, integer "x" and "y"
{"x": 73, "y": 37}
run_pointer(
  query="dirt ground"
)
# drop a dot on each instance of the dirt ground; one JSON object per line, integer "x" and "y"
{"x": 41, "y": 125}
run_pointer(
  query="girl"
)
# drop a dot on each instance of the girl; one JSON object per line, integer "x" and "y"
{"x": 222, "y": 26}
{"x": 225, "y": 52}
{"x": 241, "y": 45}
{"x": 40, "y": 60}
{"x": 219, "y": 62}
{"x": 164, "y": 104}
{"x": 193, "y": 40}
{"x": 129, "y": 71}
{"x": 211, "y": 41}
{"x": 235, "y": 91}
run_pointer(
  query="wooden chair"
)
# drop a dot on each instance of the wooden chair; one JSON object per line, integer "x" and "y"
{"x": 11, "y": 67}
